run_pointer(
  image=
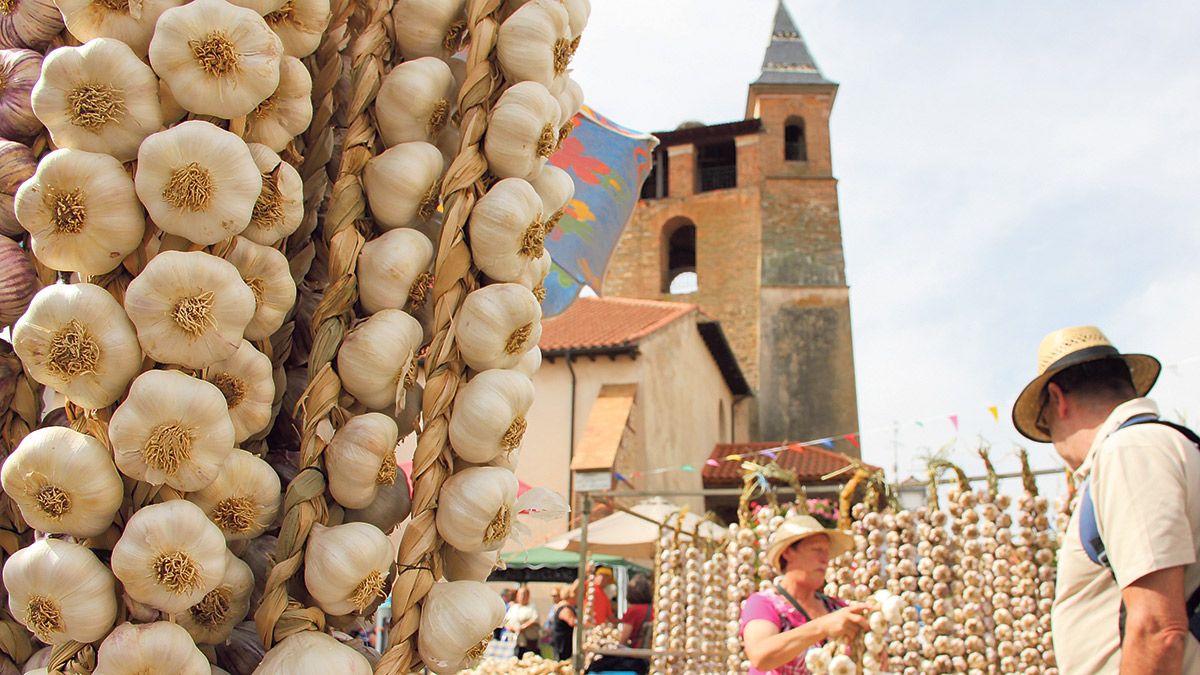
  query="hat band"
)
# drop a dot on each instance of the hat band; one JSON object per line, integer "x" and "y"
{"x": 1096, "y": 353}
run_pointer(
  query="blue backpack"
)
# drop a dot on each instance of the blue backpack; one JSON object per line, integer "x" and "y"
{"x": 1093, "y": 545}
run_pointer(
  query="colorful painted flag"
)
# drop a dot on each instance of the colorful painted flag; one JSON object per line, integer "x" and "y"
{"x": 827, "y": 442}
{"x": 853, "y": 438}
{"x": 608, "y": 164}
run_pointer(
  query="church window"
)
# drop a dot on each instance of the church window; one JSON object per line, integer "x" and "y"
{"x": 679, "y": 276}
{"x": 716, "y": 166}
{"x": 656, "y": 186}
{"x": 794, "y": 149}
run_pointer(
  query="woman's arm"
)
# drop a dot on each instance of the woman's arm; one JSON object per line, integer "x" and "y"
{"x": 567, "y": 615}
{"x": 768, "y": 648}
{"x": 626, "y": 632}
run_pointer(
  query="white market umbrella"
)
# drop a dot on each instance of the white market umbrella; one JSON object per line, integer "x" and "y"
{"x": 631, "y": 537}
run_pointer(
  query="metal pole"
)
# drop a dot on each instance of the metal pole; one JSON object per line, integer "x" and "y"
{"x": 581, "y": 593}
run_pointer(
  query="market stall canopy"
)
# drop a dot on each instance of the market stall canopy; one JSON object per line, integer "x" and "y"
{"x": 629, "y": 536}
{"x": 547, "y": 564}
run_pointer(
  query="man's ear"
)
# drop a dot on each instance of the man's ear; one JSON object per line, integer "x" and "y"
{"x": 1058, "y": 400}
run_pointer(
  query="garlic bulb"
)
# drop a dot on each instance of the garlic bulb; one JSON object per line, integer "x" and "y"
{"x": 378, "y": 359}
{"x": 578, "y": 12}
{"x": 457, "y": 620}
{"x": 60, "y": 591}
{"x": 489, "y": 415}
{"x": 198, "y": 181}
{"x": 404, "y": 184}
{"x": 18, "y": 281}
{"x": 300, "y": 24}
{"x": 171, "y": 110}
{"x": 313, "y": 653}
{"x": 171, "y": 429}
{"x": 390, "y": 507}
{"x": 76, "y": 340}
{"x": 212, "y": 620}
{"x": 345, "y": 567}
{"x": 218, "y": 59}
{"x": 556, "y": 189}
{"x": 64, "y": 482}
{"x": 360, "y": 458}
{"x": 28, "y": 23}
{"x": 393, "y": 270}
{"x": 169, "y": 556}
{"x": 17, "y": 164}
{"x": 244, "y": 499}
{"x": 534, "y": 276}
{"x": 459, "y": 566}
{"x": 535, "y": 42}
{"x": 147, "y": 648}
{"x": 263, "y": 7}
{"x": 428, "y": 27}
{"x": 415, "y": 101}
{"x": 497, "y": 325}
{"x": 507, "y": 234}
{"x": 98, "y": 97}
{"x": 522, "y": 131}
{"x": 246, "y": 381}
{"x": 570, "y": 101}
{"x": 280, "y": 206}
{"x": 475, "y": 508}
{"x": 131, "y": 23}
{"x": 19, "y": 72}
{"x": 189, "y": 308}
{"x": 265, "y": 270}
{"x": 81, "y": 211}
{"x": 530, "y": 362}
{"x": 285, "y": 113}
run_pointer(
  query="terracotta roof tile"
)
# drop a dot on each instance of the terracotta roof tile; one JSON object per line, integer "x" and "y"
{"x": 809, "y": 463}
{"x": 600, "y": 323}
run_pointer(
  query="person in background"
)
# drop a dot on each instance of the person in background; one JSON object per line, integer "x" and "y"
{"x": 521, "y": 620}
{"x": 602, "y": 606}
{"x": 635, "y": 630}
{"x": 548, "y": 623}
{"x": 507, "y": 596}
{"x": 563, "y": 632}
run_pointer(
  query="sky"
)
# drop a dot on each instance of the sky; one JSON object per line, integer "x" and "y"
{"x": 1005, "y": 169}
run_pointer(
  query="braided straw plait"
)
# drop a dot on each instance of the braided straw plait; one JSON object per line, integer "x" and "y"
{"x": 453, "y": 279}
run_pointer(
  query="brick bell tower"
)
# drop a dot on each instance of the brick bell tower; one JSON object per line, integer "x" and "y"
{"x": 742, "y": 219}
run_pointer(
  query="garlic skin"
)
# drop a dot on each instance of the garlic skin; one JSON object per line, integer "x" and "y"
{"x": 198, "y": 181}
{"x": 393, "y": 270}
{"x": 19, "y": 71}
{"x": 570, "y": 102}
{"x": 146, "y": 648}
{"x": 60, "y": 591}
{"x": 286, "y": 113}
{"x": 457, "y": 620}
{"x": 415, "y": 101}
{"x": 246, "y": 381}
{"x": 459, "y": 566}
{"x": 476, "y": 508}
{"x": 428, "y": 27}
{"x": 345, "y": 567}
{"x": 64, "y": 482}
{"x": 30, "y": 24}
{"x": 497, "y": 325}
{"x": 535, "y": 42}
{"x": 263, "y": 7}
{"x": 313, "y": 653}
{"x": 280, "y": 206}
{"x": 530, "y": 363}
{"x": 244, "y": 499}
{"x": 378, "y": 359}
{"x": 132, "y": 24}
{"x": 218, "y": 59}
{"x": 81, "y": 211}
{"x": 189, "y": 308}
{"x": 169, "y": 556}
{"x": 556, "y": 189}
{"x": 171, "y": 429}
{"x": 361, "y": 458}
{"x": 212, "y": 620}
{"x": 489, "y": 415}
{"x": 534, "y": 276}
{"x": 522, "y": 131}
{"x": 18, "y": 281}
{"x": 300, "y": 24}
{"x": 76, "y": 340}
{"x": 404, "y": 185}
{"x": 578, "y": 12}
{"x": 171, "y": 110}
{"x": 265, "y": 270}
{"x": 507, "y": 235}
{"x": 17, "y": 165}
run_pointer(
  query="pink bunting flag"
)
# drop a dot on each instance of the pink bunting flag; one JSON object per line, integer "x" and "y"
{"x": 954, "y": 421}
{"x": 712, "y": 462}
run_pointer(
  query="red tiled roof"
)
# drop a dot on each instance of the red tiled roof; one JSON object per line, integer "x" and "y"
{"x": 810, "y": 463}
{"x": 600, "y": 323}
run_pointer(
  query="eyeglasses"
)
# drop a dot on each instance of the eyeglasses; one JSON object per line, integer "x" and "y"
{"x": 1041, "y": 424}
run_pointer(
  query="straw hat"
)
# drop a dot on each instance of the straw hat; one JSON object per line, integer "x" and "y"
{"x": 1070, "y": 347}
{"x": 796, "y": 528}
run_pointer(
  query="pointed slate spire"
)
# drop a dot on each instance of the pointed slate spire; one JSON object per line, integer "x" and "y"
{"x": 788, "y": 60}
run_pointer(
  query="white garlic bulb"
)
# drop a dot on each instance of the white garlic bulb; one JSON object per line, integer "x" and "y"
{"x": 171, "y": 429}
{"x": 404, "y": 184}
{"x": 476, "y": 508}
{"x": 98, "y": 97}
{"x": 131, "y": 23}
{"x": 415, "y": 101}
{"x": 535, "y": 42}
{"x": 265, "y": 270}
{"x": 285, "y": 113}
{"x": 530, "y": 363}
{"x": 169, "y": 556}
{"x": 263, "y": 7}
{"x": 522, "y": 131}
{"x": 81, "y": 212}
{"x": 212, "y": 620}
{"x": 578, "y": 12}
{"x": 457, "y": 620}
{"x": 556, "y": 189}
{"x": 246, "y": 381}
{"x": 189, "y": 308}
{"x": 280, "y": 206}
{"x": 312, "y": 653}
{"x": 393, "y": 270}
{"x": 345, "y": 567}
{"x": 197, "y": 180}
{"x": 361, "y": 458}
{"x": 60, "y": 591}
{"x": 378, "y": 359}
{"x": 459, "y": 566}
{"x": 244, "y": 499}
{"x": 390, "y": 507}
{"x": 570, "y": 101}
{"x": 146, "y": 648}
{"x": 300, "y": 24}
{"x": 428, "y": 27}
{"x": 75, "y": 339}
{"x": 507, "y": 234}
{"x": 489, "y": 415}
{"x": 534, "y": 276}
{"x": 63, "y": 482}
{"x": 218, "y": 59}
{"x": 497, "y": 325}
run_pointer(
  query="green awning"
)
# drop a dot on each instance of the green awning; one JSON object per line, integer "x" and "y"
{"x": 547, "y": 564}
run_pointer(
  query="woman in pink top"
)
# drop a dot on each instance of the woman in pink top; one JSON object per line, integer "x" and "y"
{"x": 780, "y": 624}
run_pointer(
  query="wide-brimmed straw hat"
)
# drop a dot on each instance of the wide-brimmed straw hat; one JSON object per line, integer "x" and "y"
{"x": 796, "y": 528}
{"x": 1070, "y": 347}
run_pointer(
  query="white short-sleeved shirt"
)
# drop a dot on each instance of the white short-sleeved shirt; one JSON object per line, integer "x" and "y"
{"x": 1145, "y": 484}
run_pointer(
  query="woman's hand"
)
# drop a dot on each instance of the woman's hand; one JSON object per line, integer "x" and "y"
{"x": 845, "y": 622}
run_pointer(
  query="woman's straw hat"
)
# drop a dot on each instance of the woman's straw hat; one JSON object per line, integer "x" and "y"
{"x": 1070, "y": 347}
{"x": 796, "y": 528}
